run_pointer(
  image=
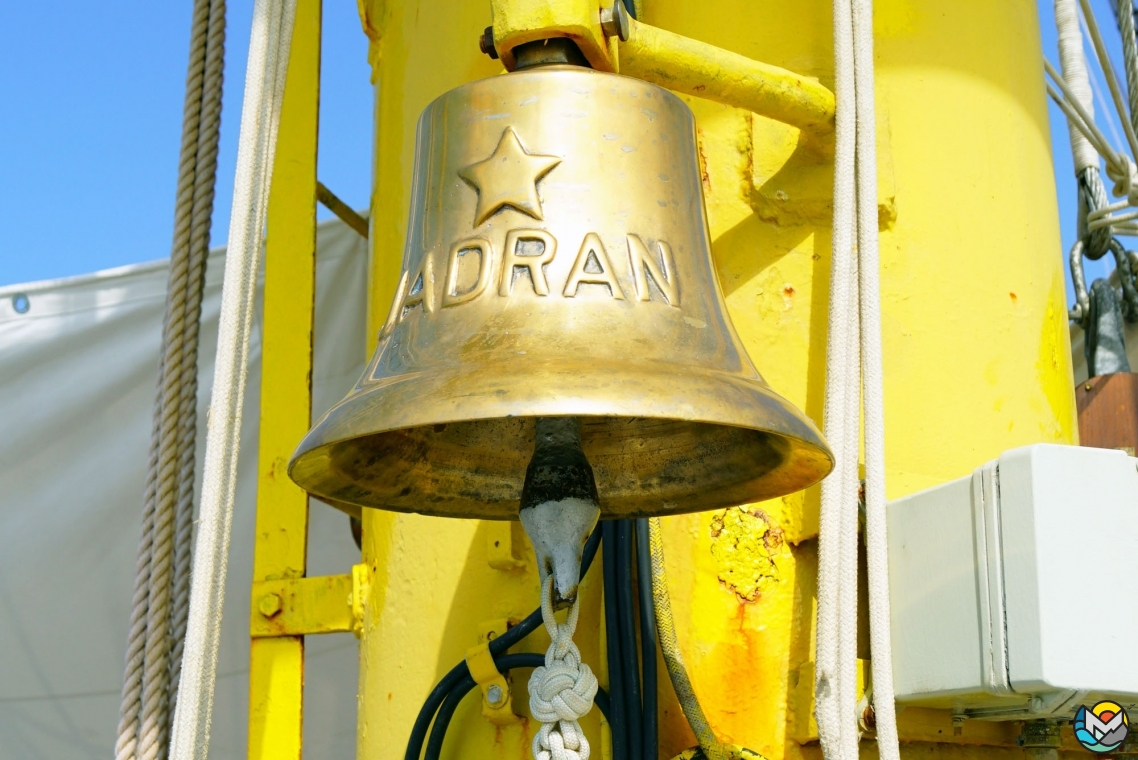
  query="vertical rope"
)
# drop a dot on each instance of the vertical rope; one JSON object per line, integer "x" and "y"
{"x": 1073, "y": 63}
{"x": 837, "y": 494}
{"x": 1125, "y": 12}
{"x": 205, "y": 182}
{"x": 872, "y": 384}
{"x": 853, "y": 378}
{"x": 260, "y": 115}
{"x": 145, "y": 705}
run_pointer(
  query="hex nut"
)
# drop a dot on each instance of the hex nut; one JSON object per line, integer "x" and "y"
{"x": 269, "y": 605}
{"x": 486, "y": 43}
{"x": 495, "y": 696}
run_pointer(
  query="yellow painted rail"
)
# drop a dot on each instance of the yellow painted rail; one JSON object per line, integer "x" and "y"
{"x": 276, "y": 665}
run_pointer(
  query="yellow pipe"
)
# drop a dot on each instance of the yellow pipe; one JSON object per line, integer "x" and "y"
{"x": 696, "y": 68}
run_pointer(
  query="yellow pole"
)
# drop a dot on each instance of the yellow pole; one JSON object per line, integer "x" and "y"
{"x": 276, "y": 665}
{"x": 976, "y": 350}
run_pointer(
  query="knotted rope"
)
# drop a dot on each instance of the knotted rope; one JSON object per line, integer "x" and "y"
{"x": 161, "y": 590}
{"x": 561, "y": 692}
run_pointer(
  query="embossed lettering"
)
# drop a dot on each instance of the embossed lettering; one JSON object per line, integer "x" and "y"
{"x": 420, "y": 288}
{"x": 644, "y": 265}
{"x": 593, "y": 266}
{"x": 460, "y": 250}
{"x": 396, "y": 307}
{"x": 513, "y": 258}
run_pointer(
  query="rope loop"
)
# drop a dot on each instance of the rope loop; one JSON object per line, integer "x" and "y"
{"x": 1092, "y": 197}
{"x": 1125, "y": 178}
{"x": 561, "y": 692}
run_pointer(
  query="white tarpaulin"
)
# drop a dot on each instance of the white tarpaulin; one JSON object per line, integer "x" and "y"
{"x": 77, "y": 380}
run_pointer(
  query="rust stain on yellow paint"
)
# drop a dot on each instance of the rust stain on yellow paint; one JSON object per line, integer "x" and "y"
{"x": 742, "y": 543}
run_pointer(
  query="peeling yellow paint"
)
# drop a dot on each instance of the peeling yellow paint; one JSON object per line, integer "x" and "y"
{"x": 742, "y": 543}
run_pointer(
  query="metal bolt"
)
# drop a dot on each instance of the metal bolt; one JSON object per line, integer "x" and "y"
{"x": 486, "y": 43}
{"x": 269, "y": 605}
{"x": 614, "y": 23}
{"x": 495, "y": 696}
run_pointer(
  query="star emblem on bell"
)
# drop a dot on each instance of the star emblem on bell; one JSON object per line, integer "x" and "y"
{"x": 508, "y": 177}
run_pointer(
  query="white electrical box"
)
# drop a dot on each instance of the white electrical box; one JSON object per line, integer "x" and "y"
{"x": 1014, "y": 592}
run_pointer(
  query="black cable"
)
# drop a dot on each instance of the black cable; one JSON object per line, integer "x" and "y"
{"x": 497, "y": 647}
{"x": 648, "y": 638}
{"x": 505, "y": 664}
{"x": 630, "y": 5}
{"x": 630, "y": 665}
{"x": 436, "y": 698}
{"x": 618, "y": 724}
{"x": 446, "y": 712}
{"x": 533, "y": 621}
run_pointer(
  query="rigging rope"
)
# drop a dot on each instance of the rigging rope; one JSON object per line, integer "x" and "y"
{"x": 670, "y": 649}
{"x": 561, "y": 692}
{"x": 160, "y": 598}
{"x": 1092, "y": 192}
{"x": 264, "y": 90}
{"x": 1130, "y": 57}
{"x": 853, "y": 375}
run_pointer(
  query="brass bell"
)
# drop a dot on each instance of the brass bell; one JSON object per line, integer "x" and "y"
{"x": 558, "y": 265}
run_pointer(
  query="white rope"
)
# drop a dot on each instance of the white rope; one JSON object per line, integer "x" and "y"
{"x": 264, "y": 90}
{"x": 1074, "y": 66}
{"x": 853, "y": 379}
{"x": 155, "y": 633}
{"x": 561, "y": 691}
{"x": 836, "y": 491}
{"x": 873, "y": 391}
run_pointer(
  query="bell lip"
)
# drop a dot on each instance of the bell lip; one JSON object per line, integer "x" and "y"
{"x": 660, "y": 392}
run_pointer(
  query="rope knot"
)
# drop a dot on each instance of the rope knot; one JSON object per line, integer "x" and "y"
{"x": 561, "y": 692}
{"x": 1125, "y": 178}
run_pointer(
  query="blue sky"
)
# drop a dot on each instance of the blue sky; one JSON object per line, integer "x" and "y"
{"x": 91, "y": 124}
{"x": 92, "y": 119}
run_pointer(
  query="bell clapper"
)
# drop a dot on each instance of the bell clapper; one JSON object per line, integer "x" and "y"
{"x": 559, "y": 509}
{"x": 559, "y": 506}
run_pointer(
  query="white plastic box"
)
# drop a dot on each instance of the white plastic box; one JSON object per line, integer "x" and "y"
{"x": 1014, "y": 592}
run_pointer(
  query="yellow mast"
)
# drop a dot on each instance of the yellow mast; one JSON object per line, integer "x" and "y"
{"x": 975, "y": 339}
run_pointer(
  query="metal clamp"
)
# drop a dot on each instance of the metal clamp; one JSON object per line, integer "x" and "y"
{"x": 611, "y": 40}
{"x": 497, "y": 701}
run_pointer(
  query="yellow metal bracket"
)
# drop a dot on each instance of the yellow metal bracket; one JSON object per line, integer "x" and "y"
{"x": 670, "y": 60}
{"x": 696, "y": 68}
{"x": 497, "y": 698}
{"x": 501, "y": 546}
{"x": 517, "y": 22}
{"x": 303, "y": 606}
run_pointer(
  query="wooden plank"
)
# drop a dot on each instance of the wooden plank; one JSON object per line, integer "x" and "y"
{"x": 276, "y": 668}
{"x": 1108, "y": 411}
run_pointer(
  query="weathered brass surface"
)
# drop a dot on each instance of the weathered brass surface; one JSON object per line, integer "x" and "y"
{"x": 558, "y": 264}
